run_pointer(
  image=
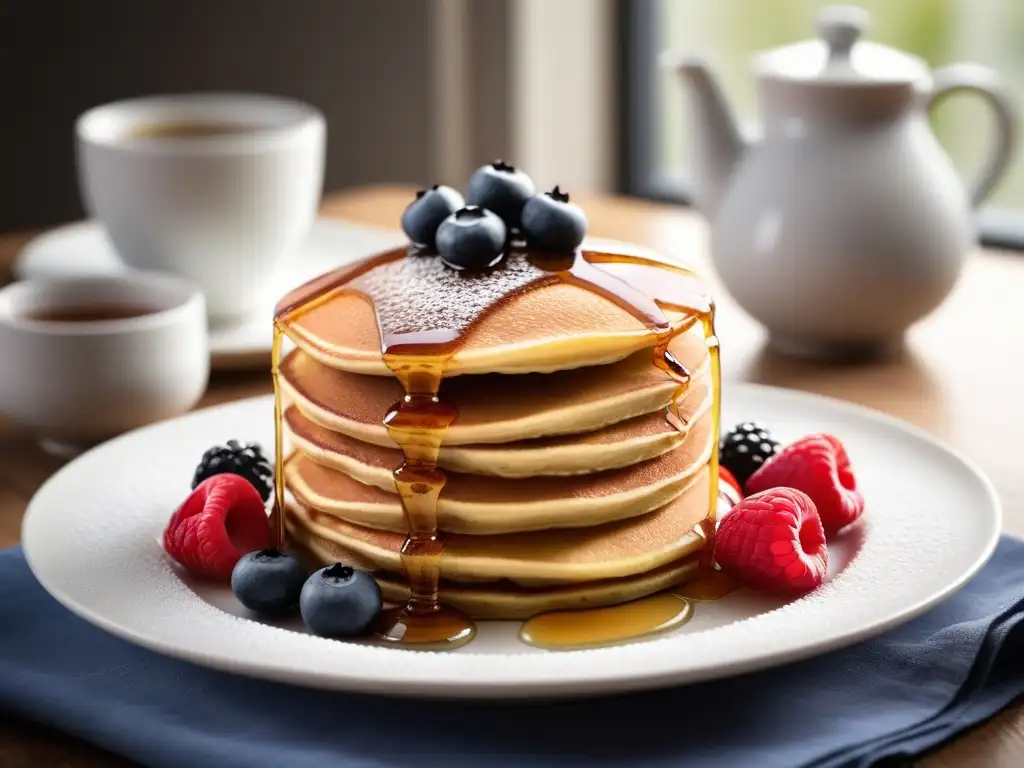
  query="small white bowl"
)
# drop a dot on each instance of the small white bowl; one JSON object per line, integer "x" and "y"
{"x": 78, "y": 382}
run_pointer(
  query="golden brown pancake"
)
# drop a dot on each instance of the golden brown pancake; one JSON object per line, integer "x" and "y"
{"x": 566, "y": 486}
{"x": 516, "y": 318}
{"x": 559, "y": 556}
{"x": 477, "y": 504}
{"x": 505, "y": 600}
{"x": 618, "y": 445}
{"x": 495, "y": 408}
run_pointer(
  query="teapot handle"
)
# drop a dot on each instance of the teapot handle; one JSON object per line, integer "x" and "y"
{"x": 977, "y": 79}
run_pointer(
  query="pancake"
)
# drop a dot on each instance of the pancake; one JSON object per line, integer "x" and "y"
{"x": 475, "y": 504}
{"x": 538, "y": 558}
{"x": 495, "y": 408}
{"x": 619, "y": 445}
{"x": 508, "y": 601}
{"x": 515, "y": 318}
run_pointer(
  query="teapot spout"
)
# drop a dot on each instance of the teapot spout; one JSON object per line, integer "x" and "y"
{"x": 717, "y": 144}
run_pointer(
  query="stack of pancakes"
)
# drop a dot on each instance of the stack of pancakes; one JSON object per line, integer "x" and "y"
{"x": 567, "y": 484}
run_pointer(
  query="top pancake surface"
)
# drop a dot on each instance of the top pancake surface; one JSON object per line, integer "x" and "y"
{"x": 515, "y": 318}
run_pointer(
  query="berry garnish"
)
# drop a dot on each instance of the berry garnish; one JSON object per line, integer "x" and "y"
{"x": 471, "y": 238}
{"x": 223, "y": 519}
{"x": 500, "y": 188}
{"x": 340, "y": 601}
{"x": 268, "y": 582}
{"x": 774, "y": 541}
{"x": 745, "y": 448}
{"x": 246, "y": 461}
{"x": 818, "y": 466}
{"x": 729, "y": 487}
{"x": 424, "y": 215}
{"x": 551, "y": 223}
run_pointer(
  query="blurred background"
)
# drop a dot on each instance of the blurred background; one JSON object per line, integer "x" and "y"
{"x": 417, "y": 91}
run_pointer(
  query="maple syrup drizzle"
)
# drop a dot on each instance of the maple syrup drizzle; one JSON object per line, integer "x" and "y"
{"x": 278, "y": 527}
{"x": 417, "y": 425}
{"x": 418, "y": 338}
{"x": 710, "y": 523}
{"x": 578, "y": 270}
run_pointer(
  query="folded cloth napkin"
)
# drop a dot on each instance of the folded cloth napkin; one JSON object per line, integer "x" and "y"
{"x": 892, "y": 696}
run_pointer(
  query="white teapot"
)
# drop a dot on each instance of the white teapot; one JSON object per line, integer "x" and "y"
{"x": 845, "y": 221}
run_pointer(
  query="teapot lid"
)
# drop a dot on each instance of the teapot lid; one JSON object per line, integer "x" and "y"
{"x": 839, "y": 57}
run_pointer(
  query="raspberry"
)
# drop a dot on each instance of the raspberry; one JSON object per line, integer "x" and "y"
{"x": 774, "y": 541}
{"x": 727, "y": 477}
{"x": 729, "y": 487}
{"x": 818, "y": 466}
{"x": 221, "y": 520}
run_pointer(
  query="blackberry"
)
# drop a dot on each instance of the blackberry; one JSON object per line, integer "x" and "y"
{"x": 744, "y": 448}
{"x": 247, "y": 461}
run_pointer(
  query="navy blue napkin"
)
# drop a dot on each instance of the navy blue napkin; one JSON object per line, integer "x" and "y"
{"x": 895, "y": 695}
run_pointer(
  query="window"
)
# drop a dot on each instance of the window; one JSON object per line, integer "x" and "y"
{"x": 728, "y": 32}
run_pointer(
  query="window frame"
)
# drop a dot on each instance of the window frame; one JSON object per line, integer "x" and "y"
{"x": 639, "y": 112}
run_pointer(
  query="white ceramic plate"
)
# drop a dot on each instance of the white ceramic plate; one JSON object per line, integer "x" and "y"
{"x": 932, "y": 520}
{"x": 83, "y": 248}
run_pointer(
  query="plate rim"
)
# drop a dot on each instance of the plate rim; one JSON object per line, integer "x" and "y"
{"x": 614, "y": 684}
{"x": 90, "y": 226}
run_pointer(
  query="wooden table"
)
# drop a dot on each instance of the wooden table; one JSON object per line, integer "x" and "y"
{"x": 961, "y": 378}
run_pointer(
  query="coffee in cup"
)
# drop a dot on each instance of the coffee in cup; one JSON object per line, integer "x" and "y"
{"x": 189, "y": 129}
{"x": 218, "y": 188}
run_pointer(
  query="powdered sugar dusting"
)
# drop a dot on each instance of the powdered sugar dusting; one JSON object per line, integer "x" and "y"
{"x": 419, "y": 294}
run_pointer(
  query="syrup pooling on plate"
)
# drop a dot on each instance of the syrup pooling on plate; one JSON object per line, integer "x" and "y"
{"x": 615, "y": 624}
{"x": 424, "y": 311}
{"x": 710, "y": 585}
{"x": 624, "y": 622}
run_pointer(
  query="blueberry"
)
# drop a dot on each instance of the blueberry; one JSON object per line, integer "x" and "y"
{"x": 551, "y": 223}
{"x": 499, "y": 187}
{"x": 471, "y": 238}
{"x": 268, "y": 582}
{"x": 424, "y": 215}
{"x": 340, "y": 601}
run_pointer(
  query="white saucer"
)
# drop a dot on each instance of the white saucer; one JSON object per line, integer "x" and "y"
{"x": 83, "y": 248}
{"x": 91, "y": 538}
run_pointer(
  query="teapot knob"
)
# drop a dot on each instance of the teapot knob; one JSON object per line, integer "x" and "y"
{"x": 840, "y": 26}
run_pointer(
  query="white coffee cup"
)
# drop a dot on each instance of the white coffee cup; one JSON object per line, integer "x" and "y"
{"x": 218, "y": 188}
{"x": 75, "y": 379}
